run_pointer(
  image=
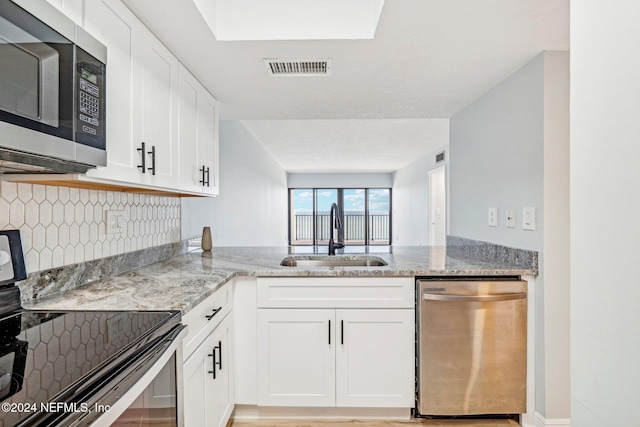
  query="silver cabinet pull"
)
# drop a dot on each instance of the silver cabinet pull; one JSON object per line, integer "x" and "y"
{"x": 474, "y": 298}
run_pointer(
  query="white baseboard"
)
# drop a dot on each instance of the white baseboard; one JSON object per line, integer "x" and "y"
{"x": 276, "y": 412}
{"x": 540, "y": 421}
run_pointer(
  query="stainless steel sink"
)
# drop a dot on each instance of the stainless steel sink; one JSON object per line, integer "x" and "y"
{"x": 334, "y": 261}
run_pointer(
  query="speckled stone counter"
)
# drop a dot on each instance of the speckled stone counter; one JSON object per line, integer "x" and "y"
{"x": 181, "y": 282}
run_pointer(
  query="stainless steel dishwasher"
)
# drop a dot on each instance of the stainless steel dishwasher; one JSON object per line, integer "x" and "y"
{"x": 472, "y": 346}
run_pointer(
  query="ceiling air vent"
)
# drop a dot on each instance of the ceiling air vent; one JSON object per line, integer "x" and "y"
{"x": 298, "y": 67}
{"x": 440, "y": 157}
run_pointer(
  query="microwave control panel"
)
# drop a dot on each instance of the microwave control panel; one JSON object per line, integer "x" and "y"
{"x": 90, "y": 100}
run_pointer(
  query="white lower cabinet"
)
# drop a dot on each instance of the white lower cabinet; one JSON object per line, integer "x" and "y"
{"x": 341, "y": 357}
{"x": 208, "y": 385}
{"x": 375, "y": 358}
{"x": 296, "y": 363}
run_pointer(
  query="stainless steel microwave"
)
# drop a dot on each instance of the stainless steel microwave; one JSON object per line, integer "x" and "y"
{"x": 52, "y": 91}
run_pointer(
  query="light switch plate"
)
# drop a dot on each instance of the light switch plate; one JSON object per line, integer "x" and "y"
{"x": 510, "y": 216}
{"x": 529, "y": 218}
{"x": 115, "y": 222}
{"x": 493, "y": 217}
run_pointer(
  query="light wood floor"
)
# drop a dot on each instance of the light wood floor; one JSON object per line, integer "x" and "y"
{"x": 371, "y": 423}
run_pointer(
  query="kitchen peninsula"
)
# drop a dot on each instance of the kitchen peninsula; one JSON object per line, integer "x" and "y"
{"x": 181, "y": 282}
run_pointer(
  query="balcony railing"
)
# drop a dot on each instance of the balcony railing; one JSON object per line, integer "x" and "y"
{"x": 354, "y": 228}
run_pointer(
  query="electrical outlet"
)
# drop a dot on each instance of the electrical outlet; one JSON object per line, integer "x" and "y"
{"x": 510, "y": 215}
{"x": 493, "y": 217}
{"x": 115, "y": 222}
{"x": 529, "y": 218}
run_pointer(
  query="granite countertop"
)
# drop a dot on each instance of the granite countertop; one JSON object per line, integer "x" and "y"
{"x": 181, "y": 282}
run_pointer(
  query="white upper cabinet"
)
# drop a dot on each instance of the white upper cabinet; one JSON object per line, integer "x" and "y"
{"x": 198, "y": 123}
{"x": 162, "y": 125}
{"x": 117, "y": 28}
{"x": 156, "y": 94}
{"x": 71, "y": 8}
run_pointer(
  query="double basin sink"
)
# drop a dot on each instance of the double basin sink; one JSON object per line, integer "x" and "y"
{"x": 333, "y": 261}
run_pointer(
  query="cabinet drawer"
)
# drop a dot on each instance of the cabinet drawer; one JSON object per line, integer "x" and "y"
{"x": 335, "y": 292}
{"x": 204, "y": 317}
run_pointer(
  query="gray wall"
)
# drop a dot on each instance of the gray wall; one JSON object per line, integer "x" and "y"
{"x": 605, "y": 207}
{"x": 251, "y": 209}
{"x": 411, "y": 200}
{"x": 496, "y": 149}
{"x": 509, "y": 150}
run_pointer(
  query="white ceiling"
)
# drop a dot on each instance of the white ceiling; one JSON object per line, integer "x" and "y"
{"x": 428, "y": 60}
{"x": 349, "y": 145}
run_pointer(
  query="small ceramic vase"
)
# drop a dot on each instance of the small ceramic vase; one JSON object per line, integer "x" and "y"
{"x": 206, "y": 239}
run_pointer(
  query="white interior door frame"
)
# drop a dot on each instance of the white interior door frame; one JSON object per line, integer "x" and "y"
{"x": 437, "y": 212}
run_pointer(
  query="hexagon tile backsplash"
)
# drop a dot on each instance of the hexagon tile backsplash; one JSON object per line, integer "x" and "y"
{"x": 62, "y": 225}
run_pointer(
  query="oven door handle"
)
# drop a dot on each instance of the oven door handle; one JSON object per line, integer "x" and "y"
{"x": 474, "y": 298}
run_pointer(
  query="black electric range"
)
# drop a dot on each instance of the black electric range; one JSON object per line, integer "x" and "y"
{"x": 65, "y": 368}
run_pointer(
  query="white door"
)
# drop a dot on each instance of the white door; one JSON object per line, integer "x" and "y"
{"x": 199, "y": 385}
{"x": 115, "y": 26}
{"x": 158, "y": 89}
{"x": 222, "y": 399}
{"x": 437, "y": 207}
{"x": 188, "y": 122}
{"x": 208, "y": 140}
{"x": 198, "y": 136}
{"x": 375, "y": 358}
{"x": 296, "y": 360}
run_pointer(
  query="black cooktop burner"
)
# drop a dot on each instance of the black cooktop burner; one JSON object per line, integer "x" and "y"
{"x": 44, "y": 355}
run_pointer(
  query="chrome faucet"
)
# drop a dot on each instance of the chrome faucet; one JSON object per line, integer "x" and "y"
{"x": 334, "y": 222}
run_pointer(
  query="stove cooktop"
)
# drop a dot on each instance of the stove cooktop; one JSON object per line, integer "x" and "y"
{"x": 45, "y": 354}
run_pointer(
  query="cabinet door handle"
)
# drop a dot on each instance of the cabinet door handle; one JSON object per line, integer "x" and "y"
{"x": 143, "y": 155}
{"x": 215, "y": 311}
{"x": 219, "y": 362}
{"x": 203, "y": 181}
{"x": 205, "y": 175}
{"x": 342, "y": 332}
{"x": 213, "y": 354}
{"x": 153, "y": 160}
{"x": 329, "y": 331}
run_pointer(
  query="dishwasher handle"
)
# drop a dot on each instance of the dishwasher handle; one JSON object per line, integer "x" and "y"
{"x": 474, "y": 298}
